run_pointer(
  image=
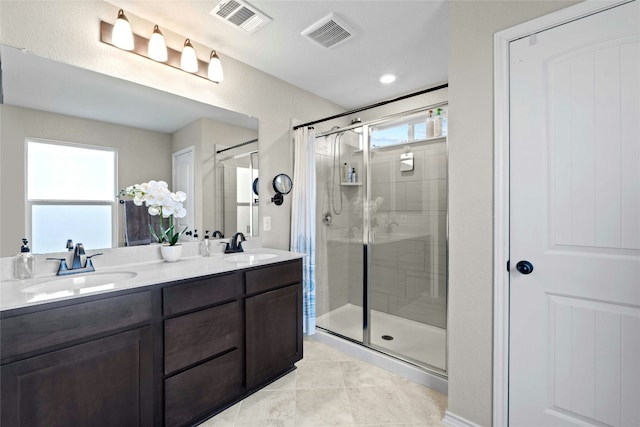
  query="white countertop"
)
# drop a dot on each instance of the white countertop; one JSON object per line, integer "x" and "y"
{"x": 44, "y": 289}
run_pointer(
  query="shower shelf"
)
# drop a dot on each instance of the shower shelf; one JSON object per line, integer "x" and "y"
{"x": 416, "y": 141}
{"x": 351, "y": 184}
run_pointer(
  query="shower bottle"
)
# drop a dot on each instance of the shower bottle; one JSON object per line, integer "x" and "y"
{"x": 430, "y": 125}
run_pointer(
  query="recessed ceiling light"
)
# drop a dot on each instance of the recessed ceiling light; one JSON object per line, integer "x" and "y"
{"x": 387, "y": 78}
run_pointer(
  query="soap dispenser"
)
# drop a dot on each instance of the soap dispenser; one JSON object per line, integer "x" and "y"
{"x": 25, "y": 262}
{"x": 205, "y": 245}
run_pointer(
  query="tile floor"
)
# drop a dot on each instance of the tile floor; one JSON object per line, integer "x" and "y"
{"x": 330, "y": 388}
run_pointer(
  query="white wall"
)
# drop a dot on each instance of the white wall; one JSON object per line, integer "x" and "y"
{"x": 471, "y": 28}
{"x": 68, "y": 31}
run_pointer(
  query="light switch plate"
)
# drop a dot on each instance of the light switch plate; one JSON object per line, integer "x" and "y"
{"x": 266, "y": 223}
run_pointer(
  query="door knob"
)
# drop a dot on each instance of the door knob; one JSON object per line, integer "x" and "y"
{"x": 524, "y": 267}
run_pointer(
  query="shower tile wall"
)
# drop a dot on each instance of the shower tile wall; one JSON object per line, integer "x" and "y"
{"x": 409, "y": 223}
{"x": 339, "y": 245}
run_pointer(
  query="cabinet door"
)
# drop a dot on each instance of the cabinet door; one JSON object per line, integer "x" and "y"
{"x": 106, "y": 382}
{"x": 274, "y": 333}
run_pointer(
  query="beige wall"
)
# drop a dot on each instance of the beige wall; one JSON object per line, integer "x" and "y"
{"x": 471, "y": 28}
{"x": 68, "y": 31}
{"x": 18, "y": 123}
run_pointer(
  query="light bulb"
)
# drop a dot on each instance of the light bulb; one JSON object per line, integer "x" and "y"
{"x": 157, "y": 46}
{"x": 215, "y": 68}
{"x": 189, "y": 60}
{"x": 387, "y": 78}
{"x": 122, "y": 35}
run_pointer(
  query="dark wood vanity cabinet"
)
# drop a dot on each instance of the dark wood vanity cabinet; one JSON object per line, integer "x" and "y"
{"x": 169, "y": 355}
{"x": 203, "y": 346}
{"x": 273, "y": 314}
{"x": 82, "y": 364}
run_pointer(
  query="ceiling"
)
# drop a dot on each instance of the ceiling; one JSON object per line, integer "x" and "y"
{"x": 406, "y": 38}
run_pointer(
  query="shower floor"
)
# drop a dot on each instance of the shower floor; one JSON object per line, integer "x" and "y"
{"x": 425, "y": 344}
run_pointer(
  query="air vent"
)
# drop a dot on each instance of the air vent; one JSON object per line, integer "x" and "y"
{"x": 241, "y": 15}
{"x": 328, "y": 32}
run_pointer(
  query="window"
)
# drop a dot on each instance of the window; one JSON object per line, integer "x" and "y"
{"x": 71, "y": 191}
{"x": 412, "y": 128}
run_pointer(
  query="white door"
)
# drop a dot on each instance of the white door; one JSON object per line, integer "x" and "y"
{"x": 183, "y": 180}
{"x": 574, "y": 346}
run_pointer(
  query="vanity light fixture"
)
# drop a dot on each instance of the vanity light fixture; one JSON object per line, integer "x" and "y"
{"x": 188, "y": 59}
{"x": 155, "y": 48}
{"x": 215, "y": 68}
{"x": 122, "y": 35}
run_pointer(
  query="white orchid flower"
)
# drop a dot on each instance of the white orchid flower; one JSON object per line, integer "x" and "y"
{"x": 179, "y": 196}
{"x": 159, "y": 200}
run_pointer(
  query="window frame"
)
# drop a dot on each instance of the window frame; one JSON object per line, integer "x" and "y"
{"x": 29, "y": 203}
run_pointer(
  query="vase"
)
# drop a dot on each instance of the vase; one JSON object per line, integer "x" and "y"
{"x": 171, "y": 253}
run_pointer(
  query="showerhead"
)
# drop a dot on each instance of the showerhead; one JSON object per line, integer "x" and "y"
{"x": 356, "y": 121}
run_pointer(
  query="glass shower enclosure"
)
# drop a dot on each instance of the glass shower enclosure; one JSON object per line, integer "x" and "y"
{"x": 381, "y": 259}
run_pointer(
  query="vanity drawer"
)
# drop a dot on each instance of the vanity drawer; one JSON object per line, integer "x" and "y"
{"x": 267, "y": 278}
{"x": 201, "y": 292}
{"x": 196, "y": 336}
{"x": 200, "y": 390}
{"x": 36, "y": 331}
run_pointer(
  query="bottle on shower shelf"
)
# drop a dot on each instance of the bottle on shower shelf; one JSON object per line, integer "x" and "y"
{"x": 354, "y": 176}
{"x": 343, "y": 173}
{"x": 349, "y": 173}
{"x": 430, "y": 124}
{"x": 437, "y": 124}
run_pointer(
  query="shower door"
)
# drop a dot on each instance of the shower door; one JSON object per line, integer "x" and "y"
{"x": 407, "y": 207}
{"x": 381, "y": 260}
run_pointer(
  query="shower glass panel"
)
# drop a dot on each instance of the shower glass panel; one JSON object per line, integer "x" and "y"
{"x": 240, "y": 211}
{"x": 407, "y": 251}
{"x": 339, "y": 295}
{"x": 381, "y": 258}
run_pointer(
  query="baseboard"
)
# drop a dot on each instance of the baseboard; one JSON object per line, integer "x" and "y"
{"x": 453, "y": 420}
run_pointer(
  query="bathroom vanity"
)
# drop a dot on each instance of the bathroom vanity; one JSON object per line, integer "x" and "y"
{"x": 171, "y": 353}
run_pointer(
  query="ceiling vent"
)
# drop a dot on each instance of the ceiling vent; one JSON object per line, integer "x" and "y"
{"x": 241, "y": 15}
{"x": 330, "y": 31}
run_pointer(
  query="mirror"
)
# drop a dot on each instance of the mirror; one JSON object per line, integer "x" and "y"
{"x": 237, "y": 198}
{"x": 282, "y": 183}
{"x": 45, "y": 100}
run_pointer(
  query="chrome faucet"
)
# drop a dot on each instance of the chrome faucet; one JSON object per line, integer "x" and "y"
{"x": 78, "y": 253}
{"x": 234, "y": 245}
{"x": 77, "y": 262}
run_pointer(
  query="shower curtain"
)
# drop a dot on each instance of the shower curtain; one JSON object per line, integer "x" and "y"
{"x": 303, "y": 220}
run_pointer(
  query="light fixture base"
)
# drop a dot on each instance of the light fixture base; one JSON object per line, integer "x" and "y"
{"x": 140, "y": 48}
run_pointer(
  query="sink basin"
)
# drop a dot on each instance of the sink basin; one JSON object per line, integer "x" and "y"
{"x": 249, "y": 258}
{"x": 76, "y": 285}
